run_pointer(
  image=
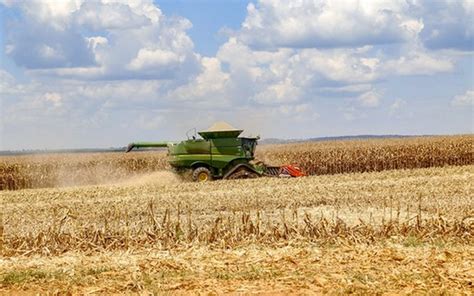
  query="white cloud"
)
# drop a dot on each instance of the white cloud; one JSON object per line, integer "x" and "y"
{"x": 6, "y": 81}
{"x": 322, "y": 24}
{"x": 286, "y": 75}
{"x": 54, "y": 13}
{"x": 293, "y": 75}
{"x": 351, "y": 88}
{"x": 131, "y": 40}
{"x": 151, "y": 121}
{"x": 282, "y": 92}
{"x": 109, "y": 16}
{"x": 466, "y": 99}
{"x": 448, "y": 24}
{"x": 351, "y": 113}
{"x": 210, "y": 87}
{"x": 96, "y": 15}
{"x": 370, "y": 98}
{"x": 397, "y": 108}
{"x": 418, "y": 63}
{"x": 340, "y": 65}
{"x": 53, "y": 98}
{"x": 298, "y": 112}
{"x": 96, "y": 42}
{"x": 349, "y": 23}
{"x": 46, "y": 48}
{"x": 152, "y": 58}
{"x": 398, "y": 104}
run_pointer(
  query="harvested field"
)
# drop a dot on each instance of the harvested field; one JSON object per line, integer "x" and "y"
{"x": 306, "y": 269}
{"x": 316, "y": 158}
{"x": 397, "y": 231}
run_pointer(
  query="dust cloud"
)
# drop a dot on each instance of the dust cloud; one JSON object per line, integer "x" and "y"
{"x": 112, "y": 175}
{"x": 155, "y": 178}
{"x": 83, "y": 169}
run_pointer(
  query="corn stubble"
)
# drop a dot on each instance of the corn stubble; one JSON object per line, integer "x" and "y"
{"x": 425, "y": 205}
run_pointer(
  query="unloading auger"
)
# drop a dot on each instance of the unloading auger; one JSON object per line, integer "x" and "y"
{"x": 220, "y": 154}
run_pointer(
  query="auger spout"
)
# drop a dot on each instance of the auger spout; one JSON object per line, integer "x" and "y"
{"x": 147, "y": 145}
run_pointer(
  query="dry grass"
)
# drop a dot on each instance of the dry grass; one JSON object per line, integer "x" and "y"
{"x": 401, "y": 231}
{"x": 316, "y": 158}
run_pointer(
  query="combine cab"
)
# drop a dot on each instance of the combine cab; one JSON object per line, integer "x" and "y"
{"x": 220, "y": 154}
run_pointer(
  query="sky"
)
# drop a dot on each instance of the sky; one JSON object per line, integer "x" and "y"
{"x": 103, "y": 73}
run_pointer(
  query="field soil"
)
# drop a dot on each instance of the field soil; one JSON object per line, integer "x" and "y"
{"x": 392, "y": 232}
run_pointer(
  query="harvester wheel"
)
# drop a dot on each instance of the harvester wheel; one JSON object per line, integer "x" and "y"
{"x": 202, "y": 174}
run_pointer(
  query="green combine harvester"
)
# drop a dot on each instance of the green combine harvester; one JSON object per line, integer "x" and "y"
{"x": 220, "y": 154}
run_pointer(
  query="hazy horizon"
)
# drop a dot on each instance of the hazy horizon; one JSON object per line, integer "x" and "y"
{"x": 262, "y": 141}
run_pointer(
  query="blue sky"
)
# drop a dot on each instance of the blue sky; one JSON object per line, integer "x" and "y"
{"x": 103, "y": 73}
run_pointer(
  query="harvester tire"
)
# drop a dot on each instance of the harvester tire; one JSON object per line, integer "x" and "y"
{"x": 202, "y": 174}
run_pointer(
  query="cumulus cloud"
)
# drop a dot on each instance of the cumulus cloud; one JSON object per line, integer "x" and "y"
{"x": 293, "y": 75}
{"x": 7, "y": 81}
{"x": 418, "y": 63}
{"x": 343, "y": 65}
{"x": 109, "y": 16}
{"x": 282, "y": 91}
{"x": 398, "y": 109}
{"x": 326, "y": 24}
{"x": 275, "y": 72}
{"x": 397, "y": 105}
{"x": 101, "y": 40}
{"x": 210, "y": 88}
{"x": 370, "y": 98}
{"x": 152, "y": 58}
{"x": 298, "y": 112}
{"x": 447, "y": 24}
{"x": 53, "y": 98}
{"x": 34, "y": 46}
{"x": 466, "y": 99}
{"x": 151, "y": 121}
{"x": 323, "y": 24}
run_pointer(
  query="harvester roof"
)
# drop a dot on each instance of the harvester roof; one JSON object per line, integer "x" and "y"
{"x": 220, "y": 129}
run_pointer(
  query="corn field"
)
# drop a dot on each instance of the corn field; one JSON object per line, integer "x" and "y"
{"x": 336, "y": 157}
{"x": 397, "y": 231}
{"x": 315, "y": 158}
